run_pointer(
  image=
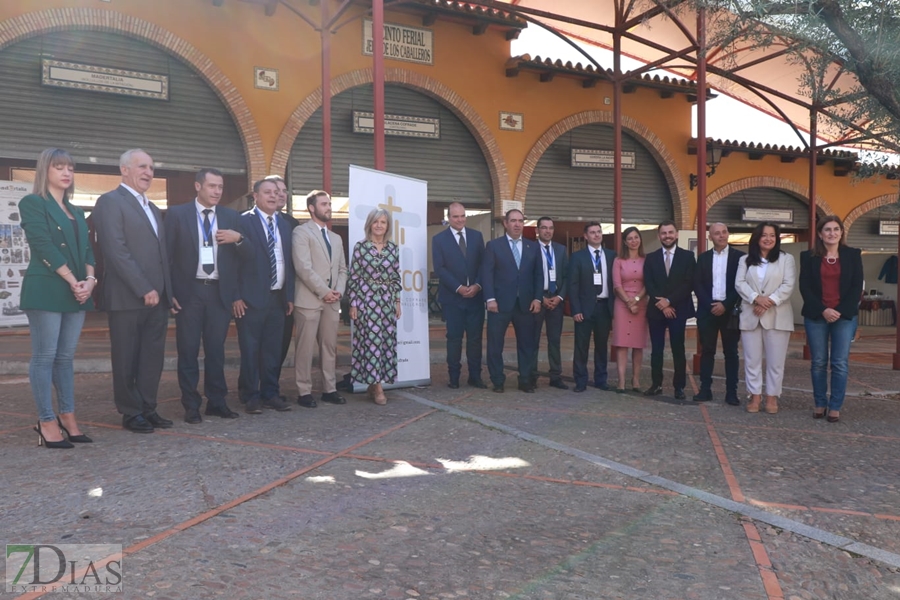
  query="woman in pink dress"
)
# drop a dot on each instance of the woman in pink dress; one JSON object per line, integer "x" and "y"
{"x": 630, "y": 311}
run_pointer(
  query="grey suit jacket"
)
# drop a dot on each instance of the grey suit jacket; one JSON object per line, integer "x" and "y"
{"x": 314, "y": 269}
{"x": 135, "y": 258}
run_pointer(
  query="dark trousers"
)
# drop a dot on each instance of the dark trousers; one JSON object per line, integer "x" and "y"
{"x": 658, "y": 329}
{"x": 709, "y": 327}
{"x": 497, "y": 324}
{"x": 598, "y": 325}
{"x": 554, "y": 320}
{"x": 259, "y": 338}
{"x": 464, "y": 319}
{"x": 202, "y": 318}
{"x": 137, "y": 347}
{"x": 286, "y": 341}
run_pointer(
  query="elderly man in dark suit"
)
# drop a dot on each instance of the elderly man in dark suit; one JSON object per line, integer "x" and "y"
{"x": 203, "y": 240}
{"x": 288, "y": 336}
{"x": 266, "y": 296}
{"x": 716, "y": 298}
{"x": 512, "y": 278}
{"x": 555, "y": 266}
{"x": 591, "y": 302}
{"x": 137, "y": 291}
{"x": 669, "y": 279}
{"x": 456, "y": 256}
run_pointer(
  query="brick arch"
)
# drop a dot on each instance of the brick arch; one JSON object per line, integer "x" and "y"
{"x": 865, "y": 207}
{"x": 95, "y": 19}
{"x": 643, "y": 134}
{"x": 416, "y": 81}
{"x": 787, "y": 185}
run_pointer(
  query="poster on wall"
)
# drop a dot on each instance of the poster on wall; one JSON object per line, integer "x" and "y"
{"x": 14, "y": 253}
{"x": 406, "y": 200}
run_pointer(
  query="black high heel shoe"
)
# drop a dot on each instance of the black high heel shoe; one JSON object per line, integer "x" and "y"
{"x": 43, "y": 442}
{"x": 78, "y": 439}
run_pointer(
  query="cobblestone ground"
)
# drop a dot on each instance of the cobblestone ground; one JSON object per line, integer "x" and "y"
{"x": 475, "y": 495}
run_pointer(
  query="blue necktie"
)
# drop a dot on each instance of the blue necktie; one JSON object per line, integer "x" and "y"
{"x": 207, "y": 239}
{"x": 273, "y": 264}
{"x": 327, "y": 243}
{"x": 516, "y": 254}
{"x": 551, "y": 285}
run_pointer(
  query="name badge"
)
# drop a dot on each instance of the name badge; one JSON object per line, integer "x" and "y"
{"x": 551, "y": 274}
{"x": 206, "y": 255}
{"x": 598, "y": 278}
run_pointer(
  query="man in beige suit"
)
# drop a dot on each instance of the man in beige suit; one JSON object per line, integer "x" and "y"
{"x": 321, "y": 278}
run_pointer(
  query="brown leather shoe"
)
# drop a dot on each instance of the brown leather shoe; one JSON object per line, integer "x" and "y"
{"x": 753, "y": 404}
{"x": 771, "y": 404}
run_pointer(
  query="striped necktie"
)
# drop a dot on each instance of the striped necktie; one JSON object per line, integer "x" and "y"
{"x": 270, "y": 246}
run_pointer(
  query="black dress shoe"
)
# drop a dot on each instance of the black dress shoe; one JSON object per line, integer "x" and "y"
{"x": 653, "y": 390}
{"x": 307, "y": 400}
{"x": 157, "y": 421}
{"x": 679, "y": 394}
{"x": 703, "y": 396}
{"x": 580, "y": 388}
{"x": 333, "y": 398}
{"x": 558, "y": 384}
{"x": 477, "y": 383}
{"x": 732, "y": 400}
{"x": 192, "y": 416}
{"x": 137, "y": 424}
{"x": 253, "y": 407}
{"x": 602, "y": 386}
{"x": 453, "y": 385}
{"x": 498, "y": 388}
{"x": 527, "y": 388}
{"x": 276, "y": 403}
{"x": 221, "y": 411}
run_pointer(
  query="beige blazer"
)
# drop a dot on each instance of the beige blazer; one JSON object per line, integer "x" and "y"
{"x": 314, "y": 269}
{"x": 778, "y": 284}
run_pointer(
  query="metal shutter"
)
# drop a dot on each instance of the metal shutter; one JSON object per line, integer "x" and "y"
{"x": 453, "y": 166}
{"x": 569, "y": 193}
{"x": 864, "y": 231}
{"x": 728, "y": 210}
{"x": 192, "y": 129}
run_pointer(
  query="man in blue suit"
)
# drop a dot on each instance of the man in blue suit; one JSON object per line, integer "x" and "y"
{"x": 203, "y": 240}
{"x": 266, "y": 296}
{"x": 669, "y": 279}
{"x": 555, "y": 264}
{"x": 591, "y": 302}
{"x": 456, "y": 255}
{"x": 512, "y": 279}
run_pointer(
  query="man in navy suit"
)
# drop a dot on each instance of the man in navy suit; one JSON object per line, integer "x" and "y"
{"x": 266, "y": 296}
{"x": 456, "y": 256}
{"x": 669, "y": 279}
{"x": 716, "y": 298}
{"x": 555, "y": 264}
{"x": 203, "y": 241}
{"x": 512, "y": 279}
{"x": 591, "y": 302}
{"x": 288, "y": 336}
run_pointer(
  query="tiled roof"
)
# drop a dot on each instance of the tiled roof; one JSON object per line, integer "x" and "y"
{"x": 782, "y": 150}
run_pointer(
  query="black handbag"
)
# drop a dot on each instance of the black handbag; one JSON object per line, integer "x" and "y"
{"x": 734, "y": 318}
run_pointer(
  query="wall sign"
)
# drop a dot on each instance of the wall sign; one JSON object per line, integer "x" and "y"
{"x": 402, "y": 42}
{"x": 600, "y": 159}
{"x": 510, "y": 121}
{"x": 888, "y": 227}
{"x": 420, "y": 127}
{"x": 104, "y": 79}
{"x": 774, "y": 215}
{"x": 265, "y": 79}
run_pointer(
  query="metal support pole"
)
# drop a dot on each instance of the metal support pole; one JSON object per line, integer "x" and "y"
{"x": 326, "y": 99}
{"x": 813, "y": 158}
{"x": 378, "y": 80}
{"x": 617, "y": 143}
{"x": 701, "y": 153}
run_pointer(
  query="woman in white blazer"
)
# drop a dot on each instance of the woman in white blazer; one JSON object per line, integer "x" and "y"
{"x": 765, "y": 281}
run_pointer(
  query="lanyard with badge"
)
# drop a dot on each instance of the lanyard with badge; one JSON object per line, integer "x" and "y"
{"x": 597, "y": 259}
{"x": 551, "y": 270}
{"x": 207, "y": 257}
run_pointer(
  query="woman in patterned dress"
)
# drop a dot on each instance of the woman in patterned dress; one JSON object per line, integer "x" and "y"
{"x": 374, "y": 293}
{"x": 630, "y": 311}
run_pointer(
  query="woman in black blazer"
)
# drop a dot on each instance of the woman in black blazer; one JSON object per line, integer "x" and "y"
{"x": 831, "y": 281}
{"x": 56, "y": 292}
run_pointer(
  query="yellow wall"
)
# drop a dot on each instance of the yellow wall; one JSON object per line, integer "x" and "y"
{"x": 238, "y": 36}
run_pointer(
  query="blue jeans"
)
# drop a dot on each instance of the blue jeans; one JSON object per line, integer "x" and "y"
{"x": 54, "y": 337}
{"x": 841, "y": 333}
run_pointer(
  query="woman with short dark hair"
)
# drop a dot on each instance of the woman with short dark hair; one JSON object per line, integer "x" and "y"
{"x": 831, "y": 280}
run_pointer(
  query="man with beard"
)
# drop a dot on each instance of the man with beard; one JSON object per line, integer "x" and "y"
{"x": 321, "y": 279}
{"x": 669, "y": 278}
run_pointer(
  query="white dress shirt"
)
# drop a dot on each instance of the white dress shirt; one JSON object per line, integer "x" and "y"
{"x": 719, "y": 274}
{"x": 145, "y": 205}
{"x": 279, "y": 253}
{"x": 601, "y": 270}
{"x": 201, "y": 274}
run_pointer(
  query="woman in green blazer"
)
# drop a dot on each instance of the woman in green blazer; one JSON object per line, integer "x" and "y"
{"x": 56, "y": 292}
